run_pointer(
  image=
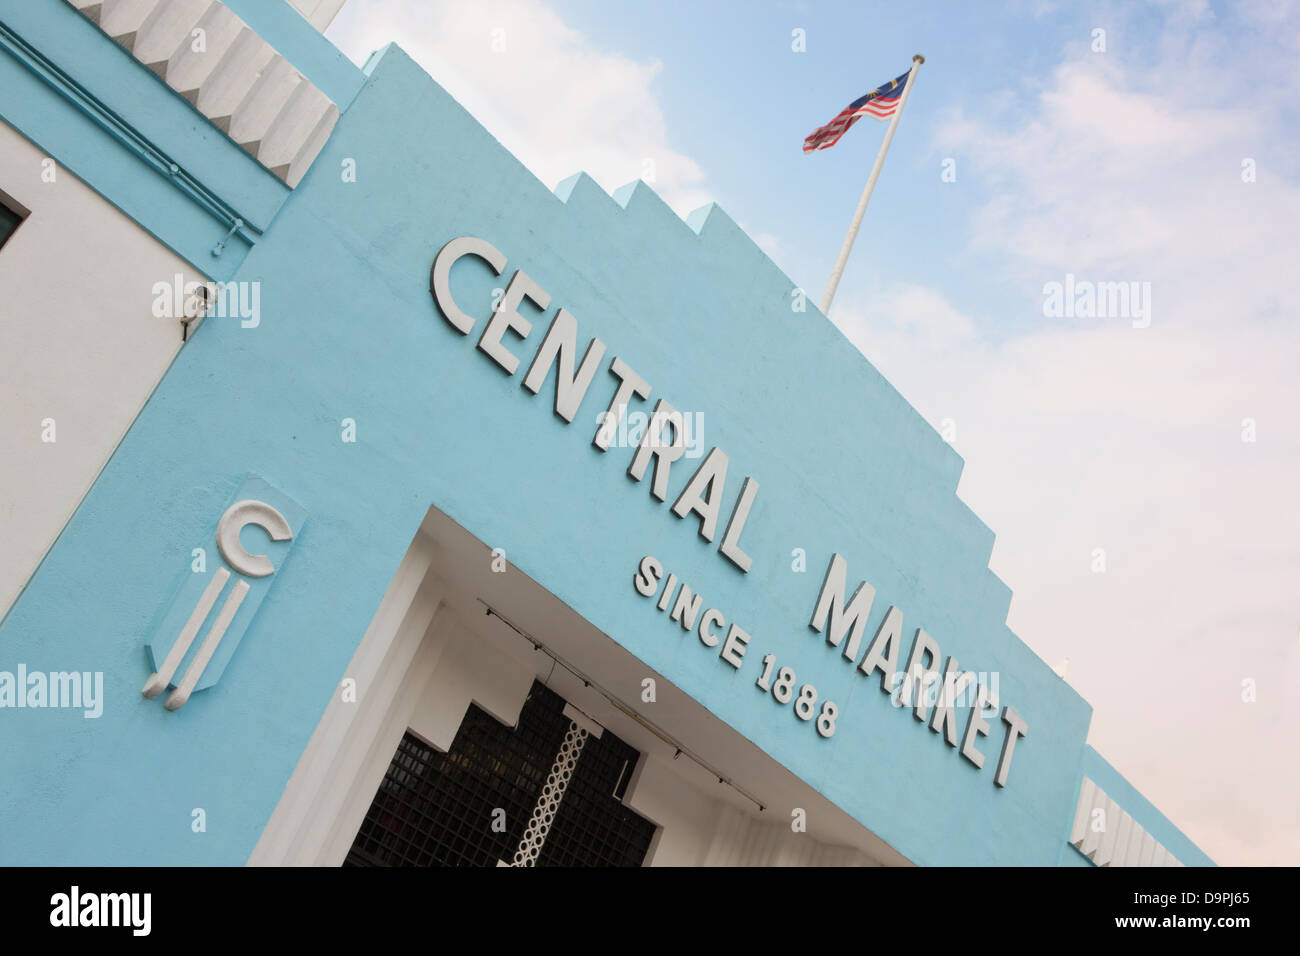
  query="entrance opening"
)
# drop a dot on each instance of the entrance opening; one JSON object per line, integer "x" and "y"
{"x": 484, "y": 721}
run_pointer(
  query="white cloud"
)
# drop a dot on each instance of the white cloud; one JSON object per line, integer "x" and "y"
{"x": 552, "y": 97}
{"x": 1089, "y": 433}
{"x": 920, "y": 315}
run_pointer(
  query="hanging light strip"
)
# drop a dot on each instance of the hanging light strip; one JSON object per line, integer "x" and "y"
{"x": 678, "y": 746}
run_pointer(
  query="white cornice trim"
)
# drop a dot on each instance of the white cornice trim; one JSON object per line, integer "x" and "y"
{"x": 211, "y": 57}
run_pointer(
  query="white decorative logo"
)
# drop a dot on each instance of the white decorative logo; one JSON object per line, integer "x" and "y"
{"x": 236, "y": 518}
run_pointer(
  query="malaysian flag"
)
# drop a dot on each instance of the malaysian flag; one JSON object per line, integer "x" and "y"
{"x": 881, "y": 103}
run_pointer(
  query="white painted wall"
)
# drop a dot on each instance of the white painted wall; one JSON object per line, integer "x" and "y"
{"x": 78, "y": 344}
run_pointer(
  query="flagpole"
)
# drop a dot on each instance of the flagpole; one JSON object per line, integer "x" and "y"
{"x": 838, "y": 271}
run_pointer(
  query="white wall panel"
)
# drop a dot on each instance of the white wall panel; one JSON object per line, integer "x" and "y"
{"x": 79, "y": 345}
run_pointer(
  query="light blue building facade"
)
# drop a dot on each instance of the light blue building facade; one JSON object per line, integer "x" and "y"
{"x": 371, "y": 386}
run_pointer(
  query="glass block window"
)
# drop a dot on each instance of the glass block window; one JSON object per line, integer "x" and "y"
{"x": 435, "y": 809}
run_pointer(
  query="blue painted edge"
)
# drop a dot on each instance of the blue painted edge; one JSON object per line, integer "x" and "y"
{"x": 124, "y": 148}
{"x": 142, "y": 101}
{"x": 83, "y": 148}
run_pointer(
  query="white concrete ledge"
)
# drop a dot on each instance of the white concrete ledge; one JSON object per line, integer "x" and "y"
{"x": 1110, "y": 837}
{"x": 211, "y": 57}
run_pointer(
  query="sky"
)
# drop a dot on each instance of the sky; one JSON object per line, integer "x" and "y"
{"x": 1140, "y": 467}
